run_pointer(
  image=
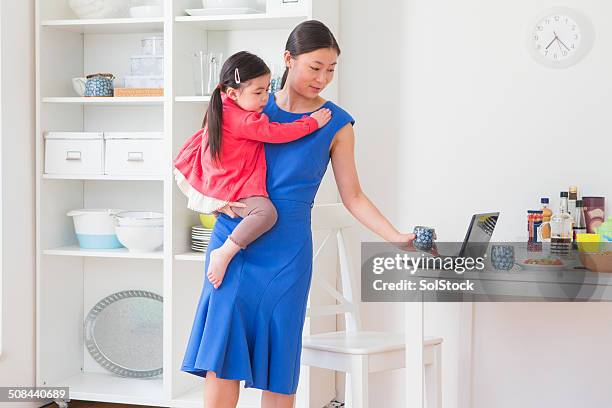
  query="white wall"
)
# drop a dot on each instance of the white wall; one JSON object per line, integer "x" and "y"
{"x": 18, "y": 267}
{"x": 369, "y": 77}
{"x": 487, "y": 128}
{"x": 454, "y": 117}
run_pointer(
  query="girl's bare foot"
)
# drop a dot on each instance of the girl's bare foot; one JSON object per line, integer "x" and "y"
{"x": 219, "y": 259}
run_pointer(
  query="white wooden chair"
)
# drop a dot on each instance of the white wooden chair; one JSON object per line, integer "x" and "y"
{"x": 354, "y": 351}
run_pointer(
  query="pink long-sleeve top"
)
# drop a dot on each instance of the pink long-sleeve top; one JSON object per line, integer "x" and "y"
{"x": 241, "y": 170}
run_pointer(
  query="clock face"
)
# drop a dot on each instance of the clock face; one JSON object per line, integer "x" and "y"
{"x": 557, "y": 37}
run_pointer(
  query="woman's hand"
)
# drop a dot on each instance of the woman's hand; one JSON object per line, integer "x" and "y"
{"x": 404, "y": 241}
{"x": 227, "y": 210}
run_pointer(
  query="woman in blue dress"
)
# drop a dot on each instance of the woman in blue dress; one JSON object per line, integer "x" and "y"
{"x": 250, "y": 327}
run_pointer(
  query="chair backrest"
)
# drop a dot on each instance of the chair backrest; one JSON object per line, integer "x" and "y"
{"x": 334, "y": 218}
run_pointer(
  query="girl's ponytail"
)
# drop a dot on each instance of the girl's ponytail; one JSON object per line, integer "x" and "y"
{"x": 213, "y": 120}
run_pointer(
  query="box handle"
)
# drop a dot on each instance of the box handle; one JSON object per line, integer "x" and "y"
{"x": 135, "y": 156}
{"x": 73, "y": 155}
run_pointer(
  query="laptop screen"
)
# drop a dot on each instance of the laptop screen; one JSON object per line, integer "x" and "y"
{"x": 478, "y": 235}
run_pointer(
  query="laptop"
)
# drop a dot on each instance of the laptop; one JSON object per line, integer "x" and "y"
{"x": 476, "y": 239}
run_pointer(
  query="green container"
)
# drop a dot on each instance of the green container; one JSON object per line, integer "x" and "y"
{"x": 605, "y": 230}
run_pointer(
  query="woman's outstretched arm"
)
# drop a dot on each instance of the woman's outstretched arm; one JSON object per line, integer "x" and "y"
{"x": 342, "y": 152}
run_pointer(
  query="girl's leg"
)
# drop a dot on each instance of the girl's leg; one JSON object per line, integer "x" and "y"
{"x": 274, "y": 400}
{"x": 220, "y": 393}
{"x": 258, "y": 216}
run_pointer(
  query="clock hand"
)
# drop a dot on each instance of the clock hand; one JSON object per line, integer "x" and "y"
{"x": 563, "y": 44}
{"x": 553, "y": 40}
{"x": 559, "y": 40}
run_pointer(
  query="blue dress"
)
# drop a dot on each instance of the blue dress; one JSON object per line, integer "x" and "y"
{"x": 250, "y": 328}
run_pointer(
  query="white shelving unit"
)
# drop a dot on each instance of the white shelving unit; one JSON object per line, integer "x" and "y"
{"x": 99, "y": 177}
{"x": 200, "y": 99}
{"x": 106, "y": 101}
{"x": 75, "y": 250}
{"x": 70, "y": 280}
{"x": 190, "y": 256}
{"x": 106, "y": 25}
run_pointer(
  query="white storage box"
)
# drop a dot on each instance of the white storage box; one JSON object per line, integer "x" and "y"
{"x": 134, "y": 153}
{"x": 286, "y": 7}
{"x": 144, "y": 81}
{"x": 74, "y": 153}
{"x": 152, "y": 45}
{"x": 147, "y": 65}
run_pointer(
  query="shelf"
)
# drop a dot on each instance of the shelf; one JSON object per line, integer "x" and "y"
{"x": 104, "y": 387}
{"x": 191, "y": 256}
{"x": 101, "y": 177}
{"x": 200, "y": 99}
{"x": 75, "y": 250}
{"x": 249, "y": 398}
{"x": 108, "y": 25}
{"x": 259, "y": 21}
{"x": 107, "y": 101}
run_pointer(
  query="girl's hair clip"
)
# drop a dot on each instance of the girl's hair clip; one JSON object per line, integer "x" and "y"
{"x": 237, "y": 76}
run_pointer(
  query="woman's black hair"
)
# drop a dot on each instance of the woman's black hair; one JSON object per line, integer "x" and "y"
{"x": 306, "y": 37}
{"x": 249, "y": 66}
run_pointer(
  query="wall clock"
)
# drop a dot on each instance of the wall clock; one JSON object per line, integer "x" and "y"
{"x": 560, "y": 37}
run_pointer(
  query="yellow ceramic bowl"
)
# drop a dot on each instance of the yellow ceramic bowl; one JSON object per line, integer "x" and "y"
{"x": 588, "y": 242}
{"x": 208, "y": 220}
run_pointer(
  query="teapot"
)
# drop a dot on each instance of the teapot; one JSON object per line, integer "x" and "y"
{"x": 100, "y": 84}
{"x": 78, "y": 84}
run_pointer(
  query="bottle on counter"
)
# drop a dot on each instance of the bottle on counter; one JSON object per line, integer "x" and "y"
{"x": 571, "y": 201}
{"x": 534, "y": 228}
{"x": 546, "y": 215}
{"x": 561, "y": 228}
{"x": 579, "y": 222}
{"x": 530, "y": 230}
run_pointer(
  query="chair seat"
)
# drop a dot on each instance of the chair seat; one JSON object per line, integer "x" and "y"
{"x": 361, "y": 342}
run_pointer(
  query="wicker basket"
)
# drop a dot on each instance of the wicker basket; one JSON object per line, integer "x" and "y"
{"x": 139, "y": 91}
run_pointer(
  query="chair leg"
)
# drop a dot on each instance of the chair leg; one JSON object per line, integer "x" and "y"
{"x": 356, "y": 387}
{"x": 433, "y": 380}
{"x": 302, "y": 396}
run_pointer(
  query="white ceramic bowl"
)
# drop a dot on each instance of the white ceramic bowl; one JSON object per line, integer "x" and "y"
{"x": 140, "y": 238}
{"x": 139, "y": 218}
{"x": 146, "y": 11}
{"x": 226, "y": 3}
{"x": 94, "y": 227}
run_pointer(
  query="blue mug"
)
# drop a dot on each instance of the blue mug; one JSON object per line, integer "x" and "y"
{"x": 502, "y": 257}
{"x": 99, "y": 85}
{"x": 424, "y": 238}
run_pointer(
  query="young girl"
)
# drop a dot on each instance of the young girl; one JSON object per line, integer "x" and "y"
{"x": 224, "y": 161}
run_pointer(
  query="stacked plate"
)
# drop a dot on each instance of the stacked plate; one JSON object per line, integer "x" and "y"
{"x": 220, "y": 11}
{"x": 199, "y": 238}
